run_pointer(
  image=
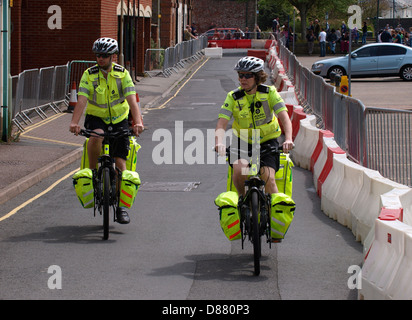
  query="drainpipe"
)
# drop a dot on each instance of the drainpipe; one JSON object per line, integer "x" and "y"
{"x": 121, "y": 54}
{"x": 5, "y": 68}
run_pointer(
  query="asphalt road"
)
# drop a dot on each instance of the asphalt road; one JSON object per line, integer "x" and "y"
{"x": 173, "y": 249}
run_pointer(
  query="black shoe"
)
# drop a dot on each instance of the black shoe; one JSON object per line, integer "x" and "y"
{"x": 121, "y": 216}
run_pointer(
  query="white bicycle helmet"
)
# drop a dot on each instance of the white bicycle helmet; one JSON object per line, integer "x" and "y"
{"x": 250, "y": 64}
{"x": 105, "y": 46}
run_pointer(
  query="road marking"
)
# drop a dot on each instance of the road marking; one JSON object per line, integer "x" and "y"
{"x": 55, "y": 141}
{"x": 177, "y": 92}
{"x": 41, "y": 123}
{"x": 14, "y": 211}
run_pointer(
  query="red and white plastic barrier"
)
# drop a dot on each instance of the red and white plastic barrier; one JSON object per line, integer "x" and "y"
{"x": 386, "y": 272}
{"x": 305, "y": 141}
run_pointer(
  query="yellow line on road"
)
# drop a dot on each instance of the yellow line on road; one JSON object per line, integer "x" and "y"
{"x": 55, "y": 141}
{"x": 177, "y": 92}
{"x": 14, "y": 211}
{"x": 43, "y": 122}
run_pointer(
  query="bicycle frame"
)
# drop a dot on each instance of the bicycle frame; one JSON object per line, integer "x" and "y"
{"x": 254, "y": 209}
{"x": 106, "y": 177}
{"x": 106, "y": 160}
{"x": 255, "y": 184}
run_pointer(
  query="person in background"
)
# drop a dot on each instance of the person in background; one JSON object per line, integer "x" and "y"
{"x": 322, "y": 42}
{"x": 386, "y": 36}
{"x": 364, "y": 32}
{"x": 310, "y": 37}
{"x": 332, "y": 38}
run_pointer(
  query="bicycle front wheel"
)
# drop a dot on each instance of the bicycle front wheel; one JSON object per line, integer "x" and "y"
{"x": 106, "y": 202}
{"x": 255, "y": 232}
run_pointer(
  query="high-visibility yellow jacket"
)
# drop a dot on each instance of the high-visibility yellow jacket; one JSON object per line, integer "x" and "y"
{"x": 106, "y": 99}
{"x": 266, "y": 103}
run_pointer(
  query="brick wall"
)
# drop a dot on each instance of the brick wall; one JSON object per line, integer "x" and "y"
{"x": 223, "y": 13}
{"x": 41, "y": 46}
{"x": 34, "y": 44}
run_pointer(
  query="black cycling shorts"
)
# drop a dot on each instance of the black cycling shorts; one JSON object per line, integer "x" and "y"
{"x": 269, "y": 160}
{"x": 121, "y": 145}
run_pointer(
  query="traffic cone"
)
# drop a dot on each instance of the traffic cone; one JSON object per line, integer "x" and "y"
{"x": 73, "y": 98}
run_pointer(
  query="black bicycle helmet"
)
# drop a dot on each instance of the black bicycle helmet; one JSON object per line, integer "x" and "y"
{"x": 250, "y": 64}
{"x": 105, "y": 46}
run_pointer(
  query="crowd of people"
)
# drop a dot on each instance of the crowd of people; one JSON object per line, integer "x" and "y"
{"x": 330, "y": 37}
{"x": 327, "y": 36}
{"x": 397, "y": 35}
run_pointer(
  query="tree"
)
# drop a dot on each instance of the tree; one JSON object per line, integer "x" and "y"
{"x": 269, "y": 9}
{"x": 318, "y": 8}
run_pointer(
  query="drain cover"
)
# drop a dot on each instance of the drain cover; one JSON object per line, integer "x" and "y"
{"x": 168, "y": 186}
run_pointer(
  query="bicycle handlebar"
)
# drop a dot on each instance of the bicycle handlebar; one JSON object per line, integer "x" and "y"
{"x": 264, "y": 151}
{"x": 107, "y": 134}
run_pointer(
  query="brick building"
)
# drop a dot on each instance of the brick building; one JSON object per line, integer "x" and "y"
{"x": 175, "y": 15}
{"x": 224, "y": 14}
{"x": 53, "y": 32}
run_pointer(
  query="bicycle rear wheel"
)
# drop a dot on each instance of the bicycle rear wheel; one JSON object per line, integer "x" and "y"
{"x": 106, "y": 202}
{"x": 255, "y": 232}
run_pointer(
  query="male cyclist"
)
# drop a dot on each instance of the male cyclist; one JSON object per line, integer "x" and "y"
{"x": 253, "y": 106}
{"x": 107, "y": 92}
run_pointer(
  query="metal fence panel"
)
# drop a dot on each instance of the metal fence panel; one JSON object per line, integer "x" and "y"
{"x": 389, "y": 143}
{"x": 166, "y": 61}
{"x": 46, "y": 86}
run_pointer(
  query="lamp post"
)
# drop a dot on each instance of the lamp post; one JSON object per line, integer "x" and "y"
{"x": 5, "y": 67}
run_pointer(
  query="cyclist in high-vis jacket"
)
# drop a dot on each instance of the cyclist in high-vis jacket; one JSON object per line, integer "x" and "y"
{"x": 253, "y": 106}
{"x": 107, "y": 92}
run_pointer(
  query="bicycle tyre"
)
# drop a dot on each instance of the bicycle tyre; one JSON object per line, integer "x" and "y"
{"x": 255, "y": 232}
{"x": 106, "y": 202}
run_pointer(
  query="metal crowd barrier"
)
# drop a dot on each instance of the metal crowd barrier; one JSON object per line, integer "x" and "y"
{"x": 35, "y": 90}
{"x": 166, "y": 61}
{"x": 376, "y": 138}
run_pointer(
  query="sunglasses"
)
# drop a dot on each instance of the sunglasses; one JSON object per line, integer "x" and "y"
{"x": 245, "y": 75}
{"x": 102, "y": 55}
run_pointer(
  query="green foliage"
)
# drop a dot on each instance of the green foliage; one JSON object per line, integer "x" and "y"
{"x": 269, "y": 9}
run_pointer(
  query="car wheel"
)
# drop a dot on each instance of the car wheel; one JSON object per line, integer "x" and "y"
{"x": 406, "y": 73}
{"x": 338, "y": 70}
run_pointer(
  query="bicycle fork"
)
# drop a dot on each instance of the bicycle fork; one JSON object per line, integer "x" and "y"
{"x": 263, "y": 218}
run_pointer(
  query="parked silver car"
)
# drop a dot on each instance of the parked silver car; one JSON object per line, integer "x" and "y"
{"x": 371, "y": 60}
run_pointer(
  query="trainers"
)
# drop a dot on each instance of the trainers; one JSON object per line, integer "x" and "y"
{"x": 121, "y": 216}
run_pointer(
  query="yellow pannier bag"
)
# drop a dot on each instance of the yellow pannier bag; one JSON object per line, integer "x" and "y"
{"x": 83, "y": 184}
{"x": 283, "y": 177}
{"x": 281, "y": 215}
{"x": 131, "y": 161}
{"x": 229, "y": 214}
{"x": 129, "y": 188}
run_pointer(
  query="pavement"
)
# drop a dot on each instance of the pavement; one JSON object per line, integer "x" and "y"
{"x": 46, "y": 146}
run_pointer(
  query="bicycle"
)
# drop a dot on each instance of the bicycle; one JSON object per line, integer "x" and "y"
{"x": 255, "y": 207}
{"x": 106, "y": 177}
